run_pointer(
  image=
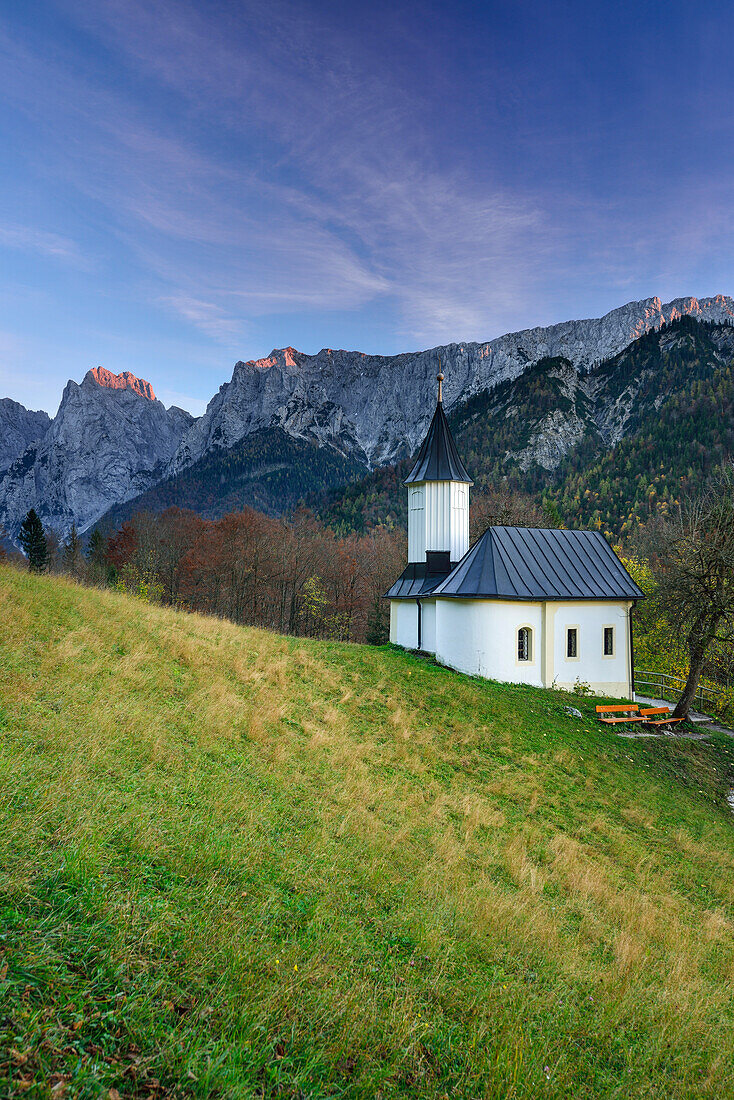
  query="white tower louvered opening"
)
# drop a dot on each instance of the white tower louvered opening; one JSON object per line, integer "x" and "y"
{"x": 438, "y": 519}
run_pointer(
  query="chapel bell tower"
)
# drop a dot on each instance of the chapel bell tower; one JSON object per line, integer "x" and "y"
{"x": 438, "y": 497}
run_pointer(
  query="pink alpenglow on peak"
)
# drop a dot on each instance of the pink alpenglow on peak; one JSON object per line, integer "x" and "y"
{"x": 123, "y": 381}
{"x": 288, "y": 357}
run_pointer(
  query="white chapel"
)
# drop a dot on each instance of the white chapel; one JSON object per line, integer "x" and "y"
{"x": 523, "y": 605}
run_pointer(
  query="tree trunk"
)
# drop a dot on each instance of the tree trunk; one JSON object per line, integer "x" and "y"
{"x": 698, "y": 653}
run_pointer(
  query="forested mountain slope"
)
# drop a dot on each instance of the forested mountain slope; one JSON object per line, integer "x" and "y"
{"x": 610, "y": 447}
{"x": 268, "y": 470}
{"x": 376, "y": 408}
{"x": 682, "y": 431}
{"x": 239, "y": 864}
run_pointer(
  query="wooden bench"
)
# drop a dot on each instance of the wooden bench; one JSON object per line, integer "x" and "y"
{"x": 632, "y": 712}
{"x": 655, "y": 716}
{"x": 611, "y": 715}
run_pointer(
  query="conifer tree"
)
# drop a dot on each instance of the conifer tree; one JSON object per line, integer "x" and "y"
{"x": 378, "y": 623}
{"x": 95, "y": 549}
{"x": 71, "y": 554}
{"x": 33, "y": 542}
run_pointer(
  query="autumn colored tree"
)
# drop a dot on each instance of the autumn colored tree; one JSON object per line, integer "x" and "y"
{"x": 121, "y": 546}
{"x": 262, "y": 570}
{"x": 176, "y": 531}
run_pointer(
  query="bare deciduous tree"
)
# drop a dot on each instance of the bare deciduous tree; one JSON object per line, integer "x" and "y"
{"x": 696, "y": 579}
{"x": 501, "y": 506}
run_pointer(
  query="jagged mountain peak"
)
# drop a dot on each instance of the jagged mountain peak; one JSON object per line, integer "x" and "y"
{"x": 279, "y": 357}
{"x": 126, "y": 380}
{"x": 718, "y": 307}
{"x": 110, "y": 440}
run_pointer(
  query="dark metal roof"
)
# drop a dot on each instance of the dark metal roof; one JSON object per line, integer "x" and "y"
{"x": 438, "y": 458}
{"x": 417, "y": 580}
{"x": 525, "y": 563}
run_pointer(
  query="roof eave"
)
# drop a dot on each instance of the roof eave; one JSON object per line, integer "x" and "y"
{"x": 532, "y": 599}
{"x": 410, "y": 480}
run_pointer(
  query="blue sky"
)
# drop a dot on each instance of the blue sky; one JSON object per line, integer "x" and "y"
{"x": 187, "y": 184}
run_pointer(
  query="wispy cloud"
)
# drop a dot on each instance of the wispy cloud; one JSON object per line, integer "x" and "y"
{"x": 207, "y": 316}
{"x": 343, "y": 212}
{"x": 263, "y": 160}
{"x": 29, "y": 239}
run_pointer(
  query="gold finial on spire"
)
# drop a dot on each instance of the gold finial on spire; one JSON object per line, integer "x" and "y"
{"x": 439, "y": 379}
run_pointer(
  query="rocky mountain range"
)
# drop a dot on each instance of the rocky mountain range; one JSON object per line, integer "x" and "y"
{"x": 376, "y": 408}
{"x": 112, "y": 440}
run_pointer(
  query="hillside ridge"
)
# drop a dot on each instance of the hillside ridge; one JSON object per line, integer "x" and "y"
{"x": 376, "y": 408}
{"x": 595, "y": 443}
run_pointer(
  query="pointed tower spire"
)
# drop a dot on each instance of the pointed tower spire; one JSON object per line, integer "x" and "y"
{"x": 438, "y": 458}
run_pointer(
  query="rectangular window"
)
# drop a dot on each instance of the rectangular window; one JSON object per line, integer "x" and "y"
{"x": 572, "y": 641}
{"x": 608, "y": 641}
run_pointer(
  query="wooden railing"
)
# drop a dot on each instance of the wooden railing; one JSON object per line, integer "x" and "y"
{"x": 662, "y": 686}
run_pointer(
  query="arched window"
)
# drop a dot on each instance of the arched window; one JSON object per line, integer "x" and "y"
{"x": 524, "y": 644}
{"x": 416, "y": 500}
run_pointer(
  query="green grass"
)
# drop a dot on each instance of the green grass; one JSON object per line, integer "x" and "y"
{"x": 234, "y": 864}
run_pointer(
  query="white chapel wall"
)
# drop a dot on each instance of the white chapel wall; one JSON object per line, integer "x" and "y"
{"x": 479, "y": 637}
{"x": 404, "y": 623}
{"x": 605, "y": 675}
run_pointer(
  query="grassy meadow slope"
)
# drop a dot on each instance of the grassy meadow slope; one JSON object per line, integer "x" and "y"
{"x": 236, "y": 864}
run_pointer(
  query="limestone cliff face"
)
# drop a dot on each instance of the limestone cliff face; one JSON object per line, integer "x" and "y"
{"x": 19, "y": 428}
{"x": 110, "y": 440}
{"x": 377, "y": 408}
